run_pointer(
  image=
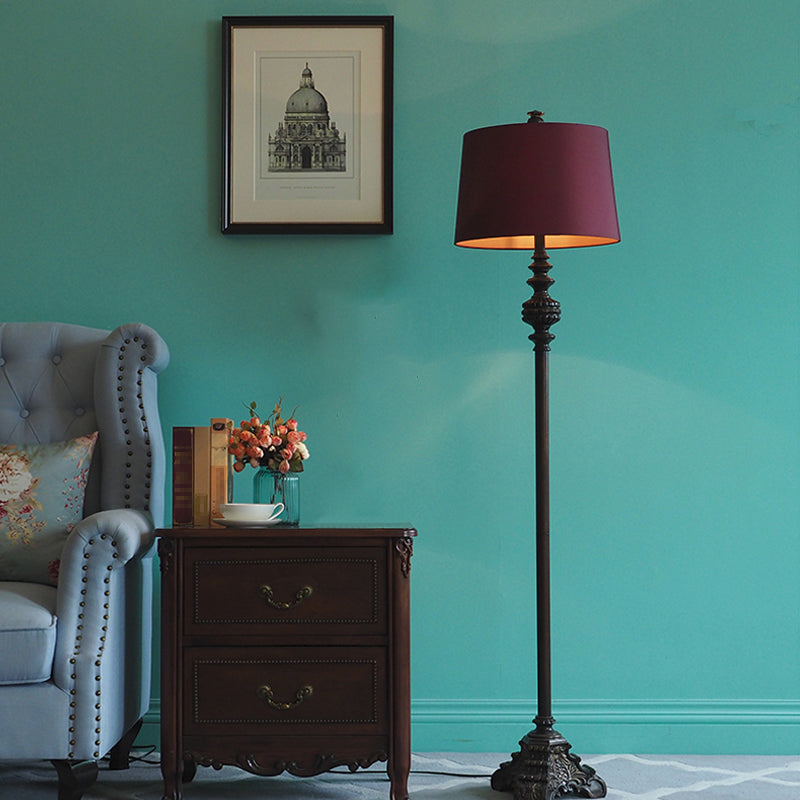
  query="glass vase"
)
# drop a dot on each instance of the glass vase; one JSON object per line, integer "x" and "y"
{"x": 269, "y": 486}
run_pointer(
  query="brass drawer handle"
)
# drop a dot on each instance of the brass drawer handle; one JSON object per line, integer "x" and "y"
{"x": 301, "y": 594}
{"x": 266, "y": 694}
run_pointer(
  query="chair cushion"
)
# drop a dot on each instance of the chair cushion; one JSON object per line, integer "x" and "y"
{"x": 27, "y": 632}
{"x": 41, "y": 499}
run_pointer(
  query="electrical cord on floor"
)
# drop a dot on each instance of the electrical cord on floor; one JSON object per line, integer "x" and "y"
{"x": 450, "y": 774}
{"x": 365, "y": 775}
{"x": 149, "y": 749}
{"x": 415, "y": 772}
{"x": 383, "y": 777}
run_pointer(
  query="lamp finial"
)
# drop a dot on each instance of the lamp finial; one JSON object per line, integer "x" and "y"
{"x": 536, "y": 116}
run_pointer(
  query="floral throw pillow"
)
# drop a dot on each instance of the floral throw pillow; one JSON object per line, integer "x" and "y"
{"x": 41, "y": 500}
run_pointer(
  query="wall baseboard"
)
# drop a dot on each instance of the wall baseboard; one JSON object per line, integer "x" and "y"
{"x": 626, "y": 712}
{"x": 755, "y": 727}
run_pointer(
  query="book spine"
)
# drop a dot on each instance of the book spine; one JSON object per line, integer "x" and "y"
{"x": 182, "y": 476}
{"x": 202, "y": 476}
{"x": 221, "y": 483}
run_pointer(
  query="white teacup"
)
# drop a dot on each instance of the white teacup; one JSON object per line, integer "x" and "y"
{"x": 251, "y": 512}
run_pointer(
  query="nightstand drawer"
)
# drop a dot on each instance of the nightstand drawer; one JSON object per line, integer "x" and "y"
{"x": 285, "y": 590}
{"x": 296, "y": 689}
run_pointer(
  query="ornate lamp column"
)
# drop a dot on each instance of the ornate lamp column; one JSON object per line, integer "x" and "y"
{"x": 530, "y": 186}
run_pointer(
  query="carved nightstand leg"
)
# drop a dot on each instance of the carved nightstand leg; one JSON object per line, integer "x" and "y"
{"x": 172, "y": 772}
{"x": 399, "y": 790}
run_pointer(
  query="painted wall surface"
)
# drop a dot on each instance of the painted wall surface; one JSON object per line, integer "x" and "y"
{"x": 675, "y": 399}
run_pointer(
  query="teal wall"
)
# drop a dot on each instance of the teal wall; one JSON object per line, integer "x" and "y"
{"x": 675, "y": 397}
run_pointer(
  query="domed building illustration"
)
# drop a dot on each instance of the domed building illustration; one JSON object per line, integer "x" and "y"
{"x": 307, "y": 140}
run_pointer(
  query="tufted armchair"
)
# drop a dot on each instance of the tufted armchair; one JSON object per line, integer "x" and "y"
{"x": 75, "y": 658}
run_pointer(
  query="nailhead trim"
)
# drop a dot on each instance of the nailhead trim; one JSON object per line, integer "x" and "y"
{"x": 127, "y": 488}
{"x": 101, "y": 643}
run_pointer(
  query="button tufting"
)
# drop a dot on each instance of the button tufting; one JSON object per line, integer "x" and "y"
{"x": 79, "y": 412}
{"x": 2, "y": 362}
{"x": 56, "y": 359}
{"x": 24, "y": 413}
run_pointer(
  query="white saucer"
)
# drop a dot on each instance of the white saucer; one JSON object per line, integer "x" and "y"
{"x": 246, "y": 523}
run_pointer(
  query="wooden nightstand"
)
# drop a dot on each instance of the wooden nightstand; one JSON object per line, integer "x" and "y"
{"x": 285, "y": 650}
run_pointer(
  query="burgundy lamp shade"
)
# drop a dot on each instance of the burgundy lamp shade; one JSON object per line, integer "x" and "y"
{"x": 536, "y": 178}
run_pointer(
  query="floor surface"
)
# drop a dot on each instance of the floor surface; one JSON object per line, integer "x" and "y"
{"x": 629, "y": 777}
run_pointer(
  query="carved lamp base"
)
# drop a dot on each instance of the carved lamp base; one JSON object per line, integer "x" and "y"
{"x": 544, "y": 769}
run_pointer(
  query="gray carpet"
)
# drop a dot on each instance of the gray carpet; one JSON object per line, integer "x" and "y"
{"x": 629, "y": 777}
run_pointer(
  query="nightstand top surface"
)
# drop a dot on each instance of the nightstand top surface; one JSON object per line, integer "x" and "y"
{"x": 220, "y": 535}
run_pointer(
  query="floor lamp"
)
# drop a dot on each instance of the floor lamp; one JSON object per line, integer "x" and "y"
{"x": 536, "y": 186}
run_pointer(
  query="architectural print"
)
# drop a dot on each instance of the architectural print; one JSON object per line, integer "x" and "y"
{"x": 307, "y": 140}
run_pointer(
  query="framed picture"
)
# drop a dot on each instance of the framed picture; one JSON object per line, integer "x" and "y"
{"x": 307, "y": 124}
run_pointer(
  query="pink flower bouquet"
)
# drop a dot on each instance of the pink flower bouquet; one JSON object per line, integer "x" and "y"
{"x": 276, "y": 444}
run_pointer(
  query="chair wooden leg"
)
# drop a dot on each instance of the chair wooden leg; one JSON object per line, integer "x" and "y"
{"x": 74, "y": 777}
{"x": 119, "y": 755}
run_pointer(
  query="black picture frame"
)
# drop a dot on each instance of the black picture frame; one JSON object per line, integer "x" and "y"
{"x": 307, "y": 124}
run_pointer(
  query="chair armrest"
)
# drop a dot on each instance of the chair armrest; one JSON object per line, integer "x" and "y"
{"x": 92, "y": 592}
{"x": 133, "y": 457}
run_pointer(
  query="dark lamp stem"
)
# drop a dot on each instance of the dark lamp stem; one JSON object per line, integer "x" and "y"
{"x": 544, "y": 769}
{"x": 541, "y": 312}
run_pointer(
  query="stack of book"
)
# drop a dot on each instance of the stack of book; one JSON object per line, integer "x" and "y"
{"x": 201, "y": 473}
